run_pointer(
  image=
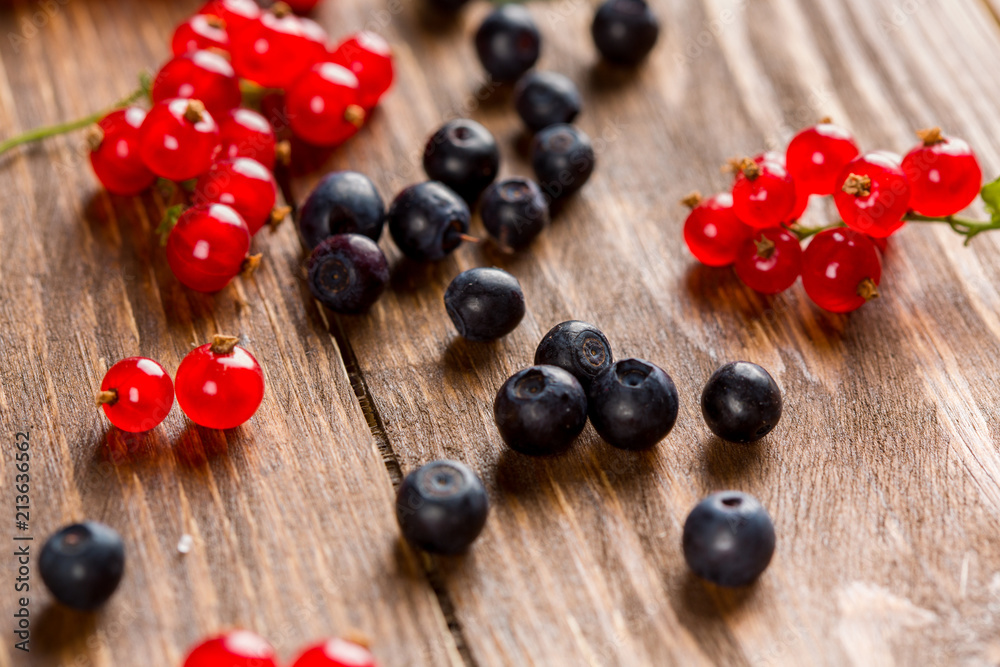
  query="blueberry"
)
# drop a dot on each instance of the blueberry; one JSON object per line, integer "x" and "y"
{"x": 427, "y": 221}
{"x": 82, "y": 564}
{"x": 484, "y": 304}
{"x": 577, "y": 347}
{"x": 463, "y": 155}
{"x": 563, "y": 159}
{"x": 625, "y": 31}
{"x": 508, "y": 43}
{"x": 741, "y": 402}
{"x": 514, "y": 212}
{"x": 633, "y": 404}
{"x": 347, "y": 273}
{"x": 728, "y": 539}
{"x": 344, "y": 202}
{"x": 441, "y": 507}
{"x": 540, "y": 410}
{"x": 546, "y": 98}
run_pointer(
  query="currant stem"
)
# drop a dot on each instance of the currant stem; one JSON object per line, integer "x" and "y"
{"x": 805, "y": 232}
{"x": 964, "y": 226}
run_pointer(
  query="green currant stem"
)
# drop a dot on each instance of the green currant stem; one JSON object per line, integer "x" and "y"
{"x": 805, "y": 232}
{"x": 964, "y": 226}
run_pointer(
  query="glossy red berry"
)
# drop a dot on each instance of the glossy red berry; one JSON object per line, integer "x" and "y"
{"x": 245, "y": 133}
{"x": 136, "y": 394}
{"x": 324, "y": 105}
{"x": 239, "y": 648}
{"x": 944, "y": 174}
{"x": 219, "y": 385}
{"x": 874, "y": 194}
{"x": 842, "y": 270}
{"x": 279, "y": 48}
{"x": 770, "y": 261}
{"x": 816, "y": 156}
{"x": 235, "y": 14}
{"x": 712, "y": 231}
{"x": 370, "y": 58}
{"x": 207, "y": 247}
{"x": 178, "y": 139}
{"x": 115, "y": 153}
{"x": 763, "y": 193}
{"x": 200, "y": 75}
{"x": 242, "y": 183}
{"x": 198, "y": 33}
{"x": 336, "y": 653}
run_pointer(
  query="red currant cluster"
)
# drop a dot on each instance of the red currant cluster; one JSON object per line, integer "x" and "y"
{"x": 755, "y": 226}
{"x": 242, "y": 648}
{"x": 219, "y": 385}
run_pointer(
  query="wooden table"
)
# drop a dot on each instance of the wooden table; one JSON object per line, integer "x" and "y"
{"x": 883, "y": 478}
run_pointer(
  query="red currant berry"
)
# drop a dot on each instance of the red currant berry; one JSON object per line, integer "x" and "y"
{"x": 220, "y": 385}
{"x": 801, "y": 204}
{"x": 763, "y": 193}
{"x": 279, "y": 48}
{"x": 842, "y": 270}
{"x": 198, "y": 33}
{"x": 200, "y": 75}
{"x": 770, "y": 261}
{"x": 323, "y": 106}
{"x": 245, "y": 133}
{"x": 817, "y": 155}
{"x": 178, "y": 139}
{"x": 239, "y": 648}
{"x": 242, "y": 183}
{"x": 115, "y": 153}
{"x": 302, "y": 6}
{"x": 336, "y": 653}
{"x": 944, "y": 174}
{"x": 207, "y": 247}
{"x": 136, "y": 394}
{"x": 235, "y": 14}
{"x": 370, "y": 58}
{"x": 874, "y": 194}
{"x": 712, "y": 231}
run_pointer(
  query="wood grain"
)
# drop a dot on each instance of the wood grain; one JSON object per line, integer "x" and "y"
{"x": 883, "y": 478}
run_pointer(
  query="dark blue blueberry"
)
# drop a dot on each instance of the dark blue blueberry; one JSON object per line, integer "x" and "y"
{"x": 563, "y": 159}
{"x": 546, "y": 98}
{"x": 540, "y": 410}
{"x": 633, "y": 404}
{"x": 514, "y": 212}
{"x": 508, "y": 42}
{"x": 577, "y": 347}
{"x": 484, "y": 304}
{"x": 442, "y": 507}
{"x": 728, "y": 539}
{"x": 344, "y": 202}
{"x": 625, "y": 31}
{"x": 428, "y": 221}
{"x": 741, "y": 402}
{"x": 83, "y": 564}
{"x": 347, "y": 273}
{"x": 463, "y": 155}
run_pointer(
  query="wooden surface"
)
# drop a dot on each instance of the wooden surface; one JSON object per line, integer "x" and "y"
{"x": 883, "y": 477}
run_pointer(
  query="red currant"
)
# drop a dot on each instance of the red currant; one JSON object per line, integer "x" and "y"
{"x": 944, "y": 174}
{"x": 245, "y": 133}
{"x": 302, "y": 6}
{"x": 712, "y": 231}
{"x": 323, "y": 106}
{"x": 763, "y": 193}
{"x": 136, "y": 394}
{"x": 220, "y": 385}
{"x": 279, "y": 48}
{"x": 239, "y": 648}
{"x": 200, "y": 75}
{"x": 874, "y": 194}
{"x": 770, "y": 261}
{"x": 207, "y": 247}
{"x": 842, "y": 270}
{"x": 198, "y": 33}
{"x": 336, "y": 653}
{"x": 236, "y": 14}
{"x": 242, "y": 183}
{"x": 178, "y": 139}
{"x": 370, "y": 58}
{"x": 115, "y": 157}
{"x": 817, "y": 155}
